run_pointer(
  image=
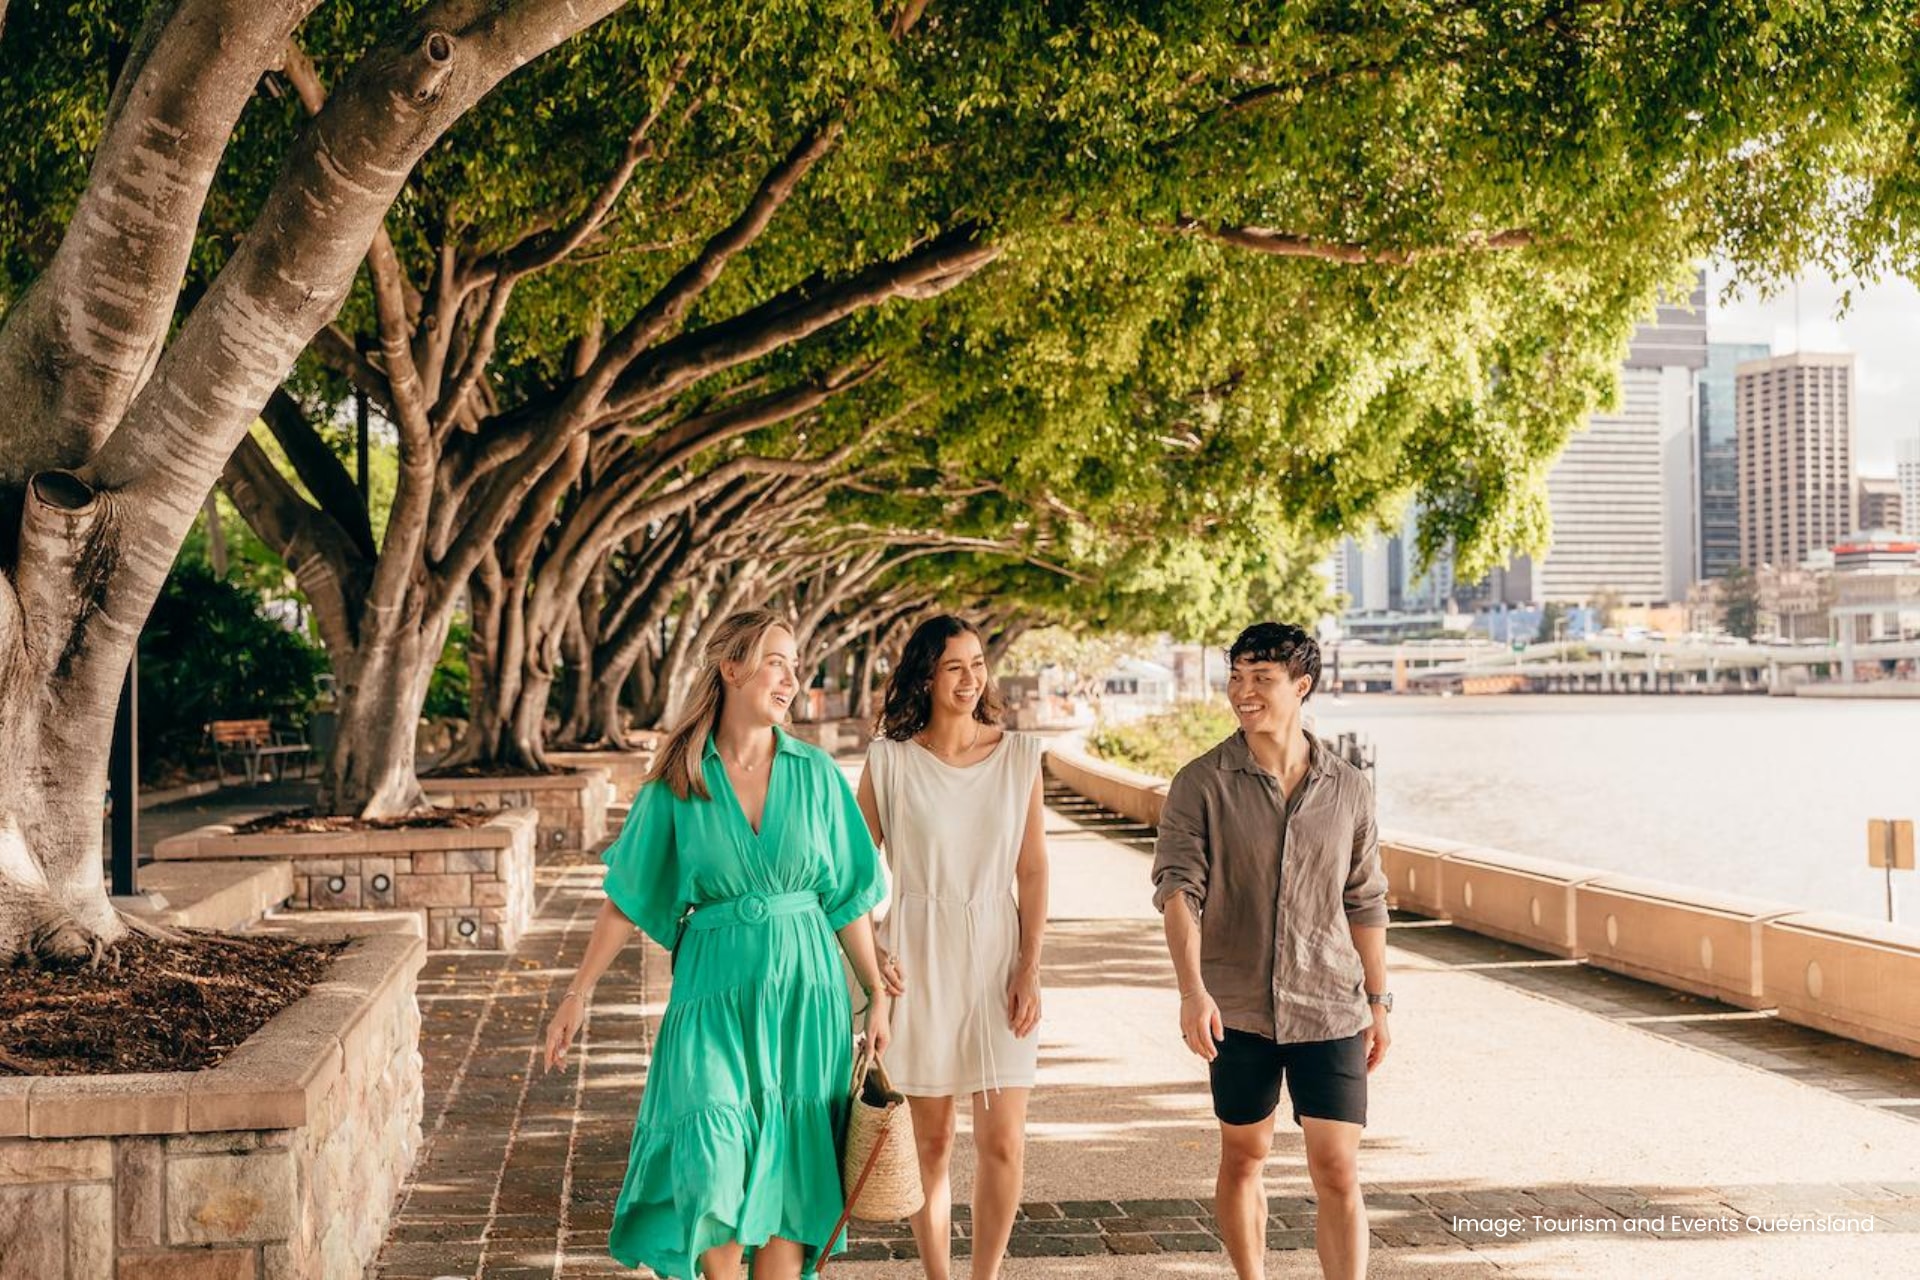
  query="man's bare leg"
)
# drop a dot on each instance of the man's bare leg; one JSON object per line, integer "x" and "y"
{"x": 1340, "y": 1224}
{"x": 1240, "y": 1195}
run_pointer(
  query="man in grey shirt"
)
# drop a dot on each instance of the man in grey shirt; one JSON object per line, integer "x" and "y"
{"x": 1270, "y": 859}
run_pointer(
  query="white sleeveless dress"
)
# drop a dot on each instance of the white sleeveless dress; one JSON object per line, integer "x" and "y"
{"x": 952, "y": 839}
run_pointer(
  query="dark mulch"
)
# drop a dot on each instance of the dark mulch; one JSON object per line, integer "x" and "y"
{"x": 497, "y": 771}
{"x": 308, "y": 822}
{"x": 152, "y": 1004}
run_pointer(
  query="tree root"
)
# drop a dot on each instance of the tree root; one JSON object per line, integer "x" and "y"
{"x": 21, "y": 1066}
{"x": 151, "y": 929}
{"x": 60, "y": 943}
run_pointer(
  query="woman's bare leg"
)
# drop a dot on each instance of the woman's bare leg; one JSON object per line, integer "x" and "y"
{"x": 1000, "y": 1152}
{"x": 933, "y": 1225}
{"x": 722, "y": 1262}
{"x": 778, "y": 1259}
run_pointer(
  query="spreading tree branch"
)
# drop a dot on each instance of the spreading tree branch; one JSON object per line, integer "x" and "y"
{"x": 77, "y": 347}
{"x": 1281, "y": 244}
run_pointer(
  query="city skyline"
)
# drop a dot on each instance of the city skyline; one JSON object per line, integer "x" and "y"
{"x": 1882, "y": 330}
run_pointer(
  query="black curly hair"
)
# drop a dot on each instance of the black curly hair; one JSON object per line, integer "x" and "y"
{"x": 908, "y": 704}
{"x": 1281, "y": 643}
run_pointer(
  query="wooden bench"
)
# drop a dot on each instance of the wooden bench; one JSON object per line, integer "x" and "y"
{"x": 254, "y": 741}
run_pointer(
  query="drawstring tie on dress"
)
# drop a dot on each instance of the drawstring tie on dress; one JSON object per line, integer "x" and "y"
{"x": 983, "y": 1004}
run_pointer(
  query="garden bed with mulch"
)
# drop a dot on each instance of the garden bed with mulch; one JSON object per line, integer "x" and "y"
{"x": 495, "y": 771}
{"x": 152, "y": 1004}
{"x": 307, "y": 822}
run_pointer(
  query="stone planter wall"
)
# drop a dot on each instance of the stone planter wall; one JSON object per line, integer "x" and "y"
{"x": 625, "y": 770}
{"x": 282, "y": 1163}
{"x": 841, "y": 736}
{"x": 472, "y": 886}
{"x": 572, "y": 806}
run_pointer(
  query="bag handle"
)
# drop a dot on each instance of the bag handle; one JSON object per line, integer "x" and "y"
{"x": 859, "y": 1184}
{"x": 865, "y": 1062}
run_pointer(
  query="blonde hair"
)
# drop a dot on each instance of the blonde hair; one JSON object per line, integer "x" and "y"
{"x": 741, "y": 638}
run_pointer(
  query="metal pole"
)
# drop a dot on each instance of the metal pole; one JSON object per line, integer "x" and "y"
{"x": 123, "y": 778}
{"x": 360, "y": 445}
{"x": 1889, "y": 870}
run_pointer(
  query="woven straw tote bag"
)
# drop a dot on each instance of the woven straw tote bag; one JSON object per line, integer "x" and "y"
{"x": 879, "y": 1167}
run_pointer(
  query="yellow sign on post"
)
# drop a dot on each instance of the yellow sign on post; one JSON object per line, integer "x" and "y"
{"x": 1890, "y": 843}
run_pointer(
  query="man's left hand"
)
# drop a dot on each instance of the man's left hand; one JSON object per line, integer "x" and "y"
{"x": 1378, "y": 1038}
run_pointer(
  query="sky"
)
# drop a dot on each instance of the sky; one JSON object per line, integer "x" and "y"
{"x": 1881, "y": 327}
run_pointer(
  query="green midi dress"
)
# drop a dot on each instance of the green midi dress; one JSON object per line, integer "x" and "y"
{"x": 747, "y": 1089}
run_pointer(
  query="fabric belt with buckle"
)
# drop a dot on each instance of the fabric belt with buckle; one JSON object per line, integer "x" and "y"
{"x": 750, "y": 908}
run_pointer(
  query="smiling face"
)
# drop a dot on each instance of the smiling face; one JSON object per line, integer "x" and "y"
{"x": 959, "y": 677}
{"x": 1264, "y": 697}
{"x": 765, "y": 693}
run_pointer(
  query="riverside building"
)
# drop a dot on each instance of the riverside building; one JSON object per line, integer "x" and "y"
{"x": 1796, "y": 419}
{"x": 1624, "y": 492}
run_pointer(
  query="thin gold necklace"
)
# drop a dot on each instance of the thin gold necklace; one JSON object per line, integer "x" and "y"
{"x": 742, "y": 765}
{"x": 927, "y": 742}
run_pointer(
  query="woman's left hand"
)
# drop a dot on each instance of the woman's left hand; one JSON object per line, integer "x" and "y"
{"x": 1023, "y": 1001}
{"x": 892, "y": 974}
{"x": 879, "y": 1022}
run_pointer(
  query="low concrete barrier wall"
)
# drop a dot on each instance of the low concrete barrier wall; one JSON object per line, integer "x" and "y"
{"x": 1415, "y": 867}
{"x": 1842, "y": 974}
{"x": 1520, "y": 899}
{"x": 1134, "y": 795}
{"x": 1852, "y": 977}
{"x": 1687, "y": 939}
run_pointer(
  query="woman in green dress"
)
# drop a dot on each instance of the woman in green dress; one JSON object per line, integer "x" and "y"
{"x": 747, "y": 851}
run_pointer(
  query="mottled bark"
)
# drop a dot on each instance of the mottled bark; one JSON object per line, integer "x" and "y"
{"x": 115, "y": 424}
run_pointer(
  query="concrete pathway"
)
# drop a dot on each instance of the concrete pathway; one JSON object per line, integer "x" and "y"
{"x": 1611, "y": 1126}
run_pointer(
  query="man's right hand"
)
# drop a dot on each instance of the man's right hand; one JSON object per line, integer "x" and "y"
{"x": 1200, "y": 1024}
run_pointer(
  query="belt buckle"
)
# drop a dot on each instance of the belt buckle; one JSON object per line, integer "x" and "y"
{"x": 753, "y": 908}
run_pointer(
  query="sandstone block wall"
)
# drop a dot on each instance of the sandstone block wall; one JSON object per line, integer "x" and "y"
{"x": 113, "y": 1177}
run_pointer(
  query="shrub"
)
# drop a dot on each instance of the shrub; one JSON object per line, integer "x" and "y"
{"x": 210, "y": 651}
{"x": 1160, "y": 744}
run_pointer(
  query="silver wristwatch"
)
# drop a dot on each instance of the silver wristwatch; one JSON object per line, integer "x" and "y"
{"x": 1384, "y": 999}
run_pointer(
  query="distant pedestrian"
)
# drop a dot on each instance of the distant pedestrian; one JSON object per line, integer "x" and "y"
{"x": 1267, "y": 873}
{"x": 745, "y": 854}
{"x": 956, "y": 802}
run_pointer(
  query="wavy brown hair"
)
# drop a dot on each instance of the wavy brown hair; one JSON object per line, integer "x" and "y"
{"x": 908, "y": 704}
{"x": 741, "y": 638}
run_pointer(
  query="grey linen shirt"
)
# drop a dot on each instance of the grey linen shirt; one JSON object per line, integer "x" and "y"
{"x": 1275, "y": 882}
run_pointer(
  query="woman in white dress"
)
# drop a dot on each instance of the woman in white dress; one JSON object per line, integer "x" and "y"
{"x": 955, "y": 802}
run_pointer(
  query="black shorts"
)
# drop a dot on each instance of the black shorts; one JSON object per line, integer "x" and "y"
{"x": 1327, "y": 1079}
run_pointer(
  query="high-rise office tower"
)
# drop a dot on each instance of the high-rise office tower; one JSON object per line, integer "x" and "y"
{"x": 1879, "y": 504}
{"x": 1719, "y": 503}
{"x": 1381, "y": 572}
{"x": 1623, "y": 493}
{"x": 1796, "y": 449}
{"x": 1909, "y": 480}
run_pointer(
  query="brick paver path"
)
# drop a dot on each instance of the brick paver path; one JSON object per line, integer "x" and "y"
{"x": 519, "y": 1169}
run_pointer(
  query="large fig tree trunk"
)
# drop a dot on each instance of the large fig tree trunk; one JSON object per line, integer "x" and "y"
{"x": 374, "y": 767}
{"x": 117, "y": 413}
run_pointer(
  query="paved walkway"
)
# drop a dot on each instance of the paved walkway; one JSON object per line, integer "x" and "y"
{"x": 1614, "y": 1127}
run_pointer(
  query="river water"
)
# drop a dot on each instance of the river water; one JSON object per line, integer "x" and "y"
{"x": 1762, "y": 796}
